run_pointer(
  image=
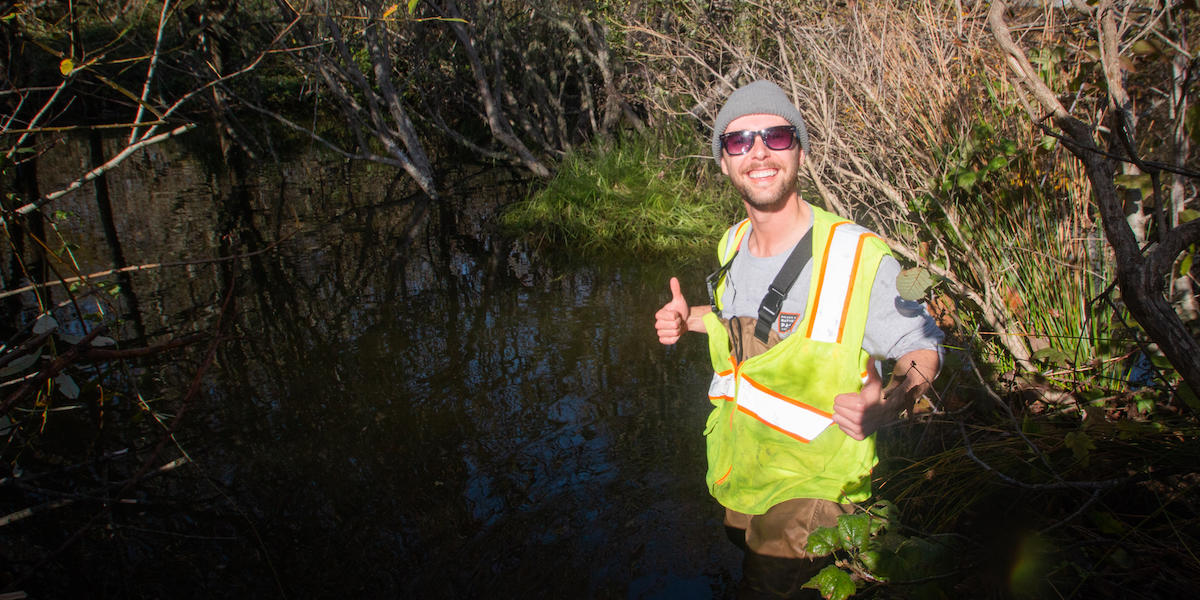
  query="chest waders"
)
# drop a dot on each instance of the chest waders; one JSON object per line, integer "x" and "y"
{"x": 769, "y": 436}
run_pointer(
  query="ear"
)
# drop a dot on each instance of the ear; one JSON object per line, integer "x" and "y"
{"x": 724, "y": 167}
{"x": 800, "y": 158}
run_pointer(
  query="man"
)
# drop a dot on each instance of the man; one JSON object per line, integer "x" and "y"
{"x": 803, "y": 306}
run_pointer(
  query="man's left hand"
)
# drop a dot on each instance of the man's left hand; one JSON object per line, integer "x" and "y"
{"x": 863, "y": 413}
{"x": 860, "y": 414}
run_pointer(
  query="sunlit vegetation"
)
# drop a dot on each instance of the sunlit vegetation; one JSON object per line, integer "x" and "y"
{"x": 638, "y": 194}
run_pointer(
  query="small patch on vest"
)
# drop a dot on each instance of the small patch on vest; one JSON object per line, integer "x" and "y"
{"x": 787, "y": 321}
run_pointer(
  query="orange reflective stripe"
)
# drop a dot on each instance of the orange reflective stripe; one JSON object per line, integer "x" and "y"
{"x": 724, "y": 477}
{"x": 741, "y": 232}
{"x": 735, "y": 241}
{"x": 862, "y": 240}
{"x": 821, "y": 277}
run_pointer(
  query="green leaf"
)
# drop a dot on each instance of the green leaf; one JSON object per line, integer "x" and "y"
{"x": 1145, "y": 405}
{"x": 43, "y": 324}
{"x": 872, "y": 560}
{"x": 833, "y": 583}
{"x": 997, "y": 163}
{"x": 1191, "y": 122}
{"x": 1144, "y": 47}
{"x": 19, "y": 364}
{"x": 919, "y": 204}
{"x": 1185, "y": 265}
{"x": 1053, "y": 356}
{"x": 1142, "y": 182}
{"x": 823, "y": 541}
{"x": 1048, "y": 142}
{"x": 966, "y": 180}
{"x": 1188, "y": 215}
{"x": 914, "y": 283}
{"x": 1188, "y": 395}
{"x": 1080, "y": 444}
{"x": 854, "y": 530}
{"x": 67, "y": 386}
{"x": 1107, "y": 523}
{"x": 412, "y": 6}
{"x": 881, "y": 512}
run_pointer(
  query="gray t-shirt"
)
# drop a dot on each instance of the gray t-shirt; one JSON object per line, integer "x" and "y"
{"x": 895, "y": 326}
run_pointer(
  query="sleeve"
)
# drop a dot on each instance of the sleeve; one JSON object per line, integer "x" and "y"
{"x": 896, "y": 326}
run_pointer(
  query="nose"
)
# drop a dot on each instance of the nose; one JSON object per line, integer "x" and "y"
{"x": 759, "y": 148}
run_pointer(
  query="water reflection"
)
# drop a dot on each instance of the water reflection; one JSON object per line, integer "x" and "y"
{"x": 407, "y": 406}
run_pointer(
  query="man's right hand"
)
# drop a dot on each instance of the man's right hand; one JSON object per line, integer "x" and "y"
{"x": 671, "y": 320}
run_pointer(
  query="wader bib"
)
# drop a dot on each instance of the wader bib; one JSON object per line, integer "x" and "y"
{"x": 769, "y": 436}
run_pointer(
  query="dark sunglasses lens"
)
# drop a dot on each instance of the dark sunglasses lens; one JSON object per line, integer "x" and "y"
{"x": 778, "y": 138}
{"x": 738, "y": 142}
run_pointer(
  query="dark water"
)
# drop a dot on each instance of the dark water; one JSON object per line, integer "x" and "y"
{"x": 403, "y": 404}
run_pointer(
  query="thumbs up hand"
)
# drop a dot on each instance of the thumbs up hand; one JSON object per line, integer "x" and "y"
{"x": 862, "y": 413}
{"x": 671, "y": 320}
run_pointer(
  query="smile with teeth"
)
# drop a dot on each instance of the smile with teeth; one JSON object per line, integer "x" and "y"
{"x": 761, "y": 173}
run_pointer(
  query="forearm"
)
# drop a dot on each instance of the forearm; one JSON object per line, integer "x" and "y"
{"x": 695, "y": 320}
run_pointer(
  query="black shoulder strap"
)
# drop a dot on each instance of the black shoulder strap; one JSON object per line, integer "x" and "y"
{"x": 788, "y": 273}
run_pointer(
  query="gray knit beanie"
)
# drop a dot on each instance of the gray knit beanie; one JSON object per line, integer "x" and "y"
{"x": 760, "y": 97}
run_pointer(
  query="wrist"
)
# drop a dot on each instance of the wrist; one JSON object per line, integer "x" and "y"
{"x": 695, "y": 319}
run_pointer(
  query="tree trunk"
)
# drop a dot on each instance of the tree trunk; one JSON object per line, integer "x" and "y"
{"x": 1141, "y": 276}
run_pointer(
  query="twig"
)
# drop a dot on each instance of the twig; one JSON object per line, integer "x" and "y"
{"x": 102, "y": 354}
{"x": 150, "y": 70}
{"x": 25, "y": 348}
{"x": 100, "y": 170}
{"x": 146, "y": 267}
{"x": 146, "y": 468}
{"x": 25, "y": 513}
{"x": 1061, "y": 485}
{"x": 59, "y": 364}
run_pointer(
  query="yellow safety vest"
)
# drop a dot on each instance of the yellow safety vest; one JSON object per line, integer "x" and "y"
{"x": 769, "y": 436}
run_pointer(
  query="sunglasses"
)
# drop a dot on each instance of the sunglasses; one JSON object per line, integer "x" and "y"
{"x": 781, "y": 137}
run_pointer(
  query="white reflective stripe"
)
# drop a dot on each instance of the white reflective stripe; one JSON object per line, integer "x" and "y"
{"x": 786, "y": 415}
{"x": 836, "y": 279}
{"x": 721, "y": 386}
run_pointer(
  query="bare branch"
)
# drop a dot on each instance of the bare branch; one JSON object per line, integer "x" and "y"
{"x": 104, "y": 168}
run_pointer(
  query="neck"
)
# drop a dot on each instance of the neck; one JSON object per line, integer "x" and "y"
{"x": 775, "y": 231}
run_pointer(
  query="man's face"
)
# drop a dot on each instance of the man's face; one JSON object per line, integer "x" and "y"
{"x": 766, "y": 178}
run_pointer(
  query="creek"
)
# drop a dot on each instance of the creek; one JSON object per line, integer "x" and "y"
{"x": 404, "y": 403}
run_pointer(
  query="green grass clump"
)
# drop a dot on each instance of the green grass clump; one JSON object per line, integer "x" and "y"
{"x": 639, "y": 193}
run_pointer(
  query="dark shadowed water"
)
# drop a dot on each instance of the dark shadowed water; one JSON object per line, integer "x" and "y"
{"x": 403, "y": 404}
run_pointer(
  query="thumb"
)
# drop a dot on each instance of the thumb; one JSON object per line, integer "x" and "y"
{"x": 676, "y": 292}
{"x": 873, "y": 384}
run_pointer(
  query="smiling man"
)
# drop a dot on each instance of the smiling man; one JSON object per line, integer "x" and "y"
{"x": 802, "y": 306}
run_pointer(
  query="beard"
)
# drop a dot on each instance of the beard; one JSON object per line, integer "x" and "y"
{"x": 770, "y": 199}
